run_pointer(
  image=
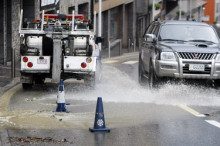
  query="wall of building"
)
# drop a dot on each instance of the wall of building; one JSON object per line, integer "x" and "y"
{"x": 31, "y": 10}
{"x": 118, "y": 18}
{"x": 66, "y": 6}
{"x": 217, "y": 12}
{"x": 9, "y": 30}
{"x": 210, "y": 11}
{"x": 15, "y": 14}
{"x": 143, "y": 17}
{"x": 109, "y": 4}
{"x": 1, "y": 31}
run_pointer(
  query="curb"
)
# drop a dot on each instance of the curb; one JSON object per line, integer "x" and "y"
{"x": 123, "y": 56}
{"x": 13, "y": 83}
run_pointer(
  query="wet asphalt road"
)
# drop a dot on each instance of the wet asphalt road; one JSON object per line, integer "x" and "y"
{"x": 181, "y": 115}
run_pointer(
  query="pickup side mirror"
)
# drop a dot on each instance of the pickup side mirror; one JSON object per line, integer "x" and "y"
{"x": 99, "y": 40}
{"x": 151, "y": 38}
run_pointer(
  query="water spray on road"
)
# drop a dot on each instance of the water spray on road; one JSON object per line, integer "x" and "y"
{"x": 117, "y": 86}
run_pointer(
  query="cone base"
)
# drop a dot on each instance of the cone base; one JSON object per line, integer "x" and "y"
{"x": 61, "y": 107}
{"x": 99, "y": 130}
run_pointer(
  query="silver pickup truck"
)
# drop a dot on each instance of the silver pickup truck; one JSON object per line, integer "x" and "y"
{"x": 179, "y": 49}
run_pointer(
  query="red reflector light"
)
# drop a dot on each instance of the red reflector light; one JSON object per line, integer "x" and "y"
{"x": 25, "y": 59}
{"x": 76, "y": 16}
{"x": 83, "y": 65}
{"x": 30, "y": 64}
{"x": 85, "y": 21}
{"x": 36, "y": 20}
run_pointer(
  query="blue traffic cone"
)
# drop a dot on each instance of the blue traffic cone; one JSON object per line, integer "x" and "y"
{"x": 99, "y": 124}
{"x": 61, "y": 104}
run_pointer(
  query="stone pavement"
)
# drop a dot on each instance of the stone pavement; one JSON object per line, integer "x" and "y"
{"x": 5, "y": 74}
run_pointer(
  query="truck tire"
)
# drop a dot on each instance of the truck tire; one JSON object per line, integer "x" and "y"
{"x": 39, "y": 81}
{"x": 153, "y": 79}
{"x": 216, "y": 83}
{"x": 27, "y": 86}
{"x": 141, "y": 72}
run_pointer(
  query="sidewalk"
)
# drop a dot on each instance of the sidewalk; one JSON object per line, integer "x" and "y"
{"x": 5, "y": 75}
{"x": 6, "y": 82}
{"x": 114, "y": 52}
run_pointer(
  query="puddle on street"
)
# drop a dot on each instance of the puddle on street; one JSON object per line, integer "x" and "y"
{"x": 43, "y": 120}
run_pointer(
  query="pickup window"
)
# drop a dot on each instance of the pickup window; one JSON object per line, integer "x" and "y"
{"x": 188, "y": 33}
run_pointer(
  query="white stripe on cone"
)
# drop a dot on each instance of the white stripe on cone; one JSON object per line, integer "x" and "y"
{"x": 61, "y": 97}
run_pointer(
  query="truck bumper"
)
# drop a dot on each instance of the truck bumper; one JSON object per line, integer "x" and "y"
{"x": 73, "y": 64}
{"x": 180, "y": 69}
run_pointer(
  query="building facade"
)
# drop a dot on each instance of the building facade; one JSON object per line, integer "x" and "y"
{"x": 212, "y": 11}
{"x": 118, "y": 17}
{"x": 9, "y": 25}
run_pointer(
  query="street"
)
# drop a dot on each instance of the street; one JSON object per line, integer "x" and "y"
{"x": 175, "y": 114}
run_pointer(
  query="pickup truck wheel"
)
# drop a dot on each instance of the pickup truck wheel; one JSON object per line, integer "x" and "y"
{"x": 216, "y": 83}
{"x": 153, "y": 79}
{"x": 27, "y": 86}
{"x": 141, "y": 78}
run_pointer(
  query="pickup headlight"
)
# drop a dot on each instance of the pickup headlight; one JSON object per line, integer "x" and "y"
{"x": 217, "y": 58}
{"x": 169, "y": 56}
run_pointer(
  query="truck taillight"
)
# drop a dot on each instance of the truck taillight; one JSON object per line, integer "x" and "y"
{"x": 89, "y": 60}
{"x": 85, "y": 21}
{"x": 30, "y": 64}
{"x": 35, "y": 20}
{"x": 83, "y": 65}
{"x": 25, "y": 59}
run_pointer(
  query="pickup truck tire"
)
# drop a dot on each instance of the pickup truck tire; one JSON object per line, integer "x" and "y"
{"x": 27, "y": 86}
{"x": 153, "y": 79}
{"x": 216, "y": 83}
{"x": 141, "y": 72}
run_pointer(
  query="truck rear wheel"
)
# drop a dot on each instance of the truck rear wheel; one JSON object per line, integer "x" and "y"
{"x": 216, "y": 83}
{"x": 27, "y": 86}
{"x": 39, "y": 81}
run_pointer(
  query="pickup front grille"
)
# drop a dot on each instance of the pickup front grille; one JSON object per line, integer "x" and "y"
{"x": 196, "y": 56}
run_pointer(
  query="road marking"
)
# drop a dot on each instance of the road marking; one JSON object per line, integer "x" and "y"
{"x": 192, "y": 111}
{"x": 130, "y": 62}
{"x": 110, "y": 61}
{"x": 214, "y": 123}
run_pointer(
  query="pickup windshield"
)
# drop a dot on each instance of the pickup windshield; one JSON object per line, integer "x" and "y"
{"x": 188, "y": 33}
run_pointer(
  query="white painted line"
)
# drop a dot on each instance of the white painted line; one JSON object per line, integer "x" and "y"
{"x": 130, "y": 62}
{"x": 110, "y": 61}
{"x": 214, "y": 123}
{"x": 192, "y": 111}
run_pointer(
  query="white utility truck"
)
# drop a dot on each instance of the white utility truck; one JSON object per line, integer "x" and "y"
{"x": 59, "y": 47}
